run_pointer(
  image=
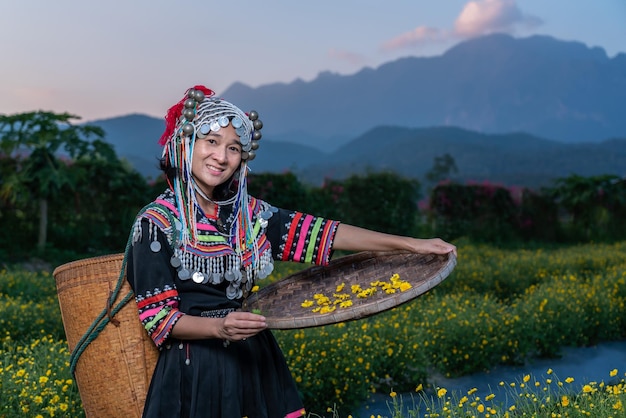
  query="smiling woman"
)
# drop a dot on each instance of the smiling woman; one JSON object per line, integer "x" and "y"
{"x": 198, "y": 250}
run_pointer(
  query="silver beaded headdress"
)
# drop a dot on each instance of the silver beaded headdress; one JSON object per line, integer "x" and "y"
{"x": 194, "y": 116}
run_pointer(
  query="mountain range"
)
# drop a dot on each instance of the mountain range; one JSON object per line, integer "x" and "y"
{"x": 510, "y": 110}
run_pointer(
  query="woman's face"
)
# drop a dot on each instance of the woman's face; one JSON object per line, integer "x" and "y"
{"x": 215, "y": 158}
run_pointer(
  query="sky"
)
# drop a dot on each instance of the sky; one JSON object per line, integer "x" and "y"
{"x": 101, "y": 59}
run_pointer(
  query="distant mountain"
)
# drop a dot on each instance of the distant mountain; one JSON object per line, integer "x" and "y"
{"x": 510, "y": 159}
{"x": 515, "y": 111}
{"x": 135, "y": 137}
{"x": 494, "y": 84}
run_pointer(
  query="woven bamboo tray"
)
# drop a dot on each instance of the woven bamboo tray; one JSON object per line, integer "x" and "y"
{"x": 113, "y": 372}
{"x": 281, "y": 302}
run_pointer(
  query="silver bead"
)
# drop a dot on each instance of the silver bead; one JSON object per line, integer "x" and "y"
{"x": 191, "y": 93}
{"x": 258, "y": 124}
{"x": 199, "y": 96}
{"x": 253, "y": 115}
{"x": 251, "y": 155}
{"x": 256, "y": 135}
{"x": 188, "y": 129}
{"x": 255, "y": 145}
{"x": 244, "y": 155}
{"x": 190, "y": 103}
{"x": 189, "y": 114}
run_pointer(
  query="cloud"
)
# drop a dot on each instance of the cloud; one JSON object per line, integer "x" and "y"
{"x": 349, "y": 57}
{"x": 419, "y": 35}
{"x": 478, "y": 17}
{"x": 487, "y": 16}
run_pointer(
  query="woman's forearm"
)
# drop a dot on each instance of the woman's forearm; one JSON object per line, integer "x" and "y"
{"x": 353, "y": 238}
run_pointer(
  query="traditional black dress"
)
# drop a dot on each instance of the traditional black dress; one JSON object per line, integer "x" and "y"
{"x": 209, "y": 378}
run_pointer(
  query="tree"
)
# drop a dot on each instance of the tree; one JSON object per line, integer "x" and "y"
{"x": 443, "y": 166}
{"x": 42, "y": 137}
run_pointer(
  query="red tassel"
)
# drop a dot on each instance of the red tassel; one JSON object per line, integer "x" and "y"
{"x": 175, "y": 111}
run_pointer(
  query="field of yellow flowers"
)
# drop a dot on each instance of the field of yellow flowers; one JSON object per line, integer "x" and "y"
{"x": 497, "y": 307}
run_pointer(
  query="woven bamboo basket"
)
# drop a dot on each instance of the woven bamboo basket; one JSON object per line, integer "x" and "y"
{"x": 281, "y": 302}
{"x": 114, "y": 370}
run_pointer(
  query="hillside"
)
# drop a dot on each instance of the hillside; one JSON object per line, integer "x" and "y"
{"x": 494, "y": 84}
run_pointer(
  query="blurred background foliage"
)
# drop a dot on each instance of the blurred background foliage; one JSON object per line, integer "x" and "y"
{"x": 65, "y": 194}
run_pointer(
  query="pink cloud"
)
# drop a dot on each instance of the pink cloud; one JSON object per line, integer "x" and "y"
{"x": 486, "y": 16}
{"x": 350, "y": 57}
{"x": 478, "y": 17}
{"x": 419, "y": 35}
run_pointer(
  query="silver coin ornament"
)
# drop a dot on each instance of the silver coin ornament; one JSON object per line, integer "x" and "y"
{"x": 223, "y": 121}
{"x": 197, "y": 277}
{"x": 229, "y": 276}
{"x": 216, "y": 278}
{"x": 266, "y": 214}
{"x": 175, "y": 262}
{"x": 155, "y": 246}
{"x": 184, "y": 274}
{"x": 236, "y": 122}
{"x": 215, "y": 126}
{"x": 205, "y": 128}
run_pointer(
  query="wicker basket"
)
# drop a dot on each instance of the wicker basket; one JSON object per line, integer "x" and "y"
{"x": 114, "y": 370}
{"x": 281, "y": 302}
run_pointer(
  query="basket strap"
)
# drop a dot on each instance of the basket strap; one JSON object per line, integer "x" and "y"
{"x": 110, "y": 311}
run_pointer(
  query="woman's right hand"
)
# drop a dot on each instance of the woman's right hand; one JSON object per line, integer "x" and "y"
{"x": 238, "y": 326}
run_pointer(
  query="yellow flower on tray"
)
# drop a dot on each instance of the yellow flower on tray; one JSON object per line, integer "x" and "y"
{"x": 324, "y": 304}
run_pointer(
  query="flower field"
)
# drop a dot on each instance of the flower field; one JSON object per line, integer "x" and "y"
{"x": 497, "y": 307}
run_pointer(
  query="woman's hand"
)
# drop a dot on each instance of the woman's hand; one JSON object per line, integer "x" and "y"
{"x": 238, "y": 326}
{"x": 233, "y": 327}
{"x": 432, "y": 246}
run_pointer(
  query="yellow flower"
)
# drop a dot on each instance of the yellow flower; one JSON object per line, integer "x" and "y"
{"x": 613, "y": 373}
{"x": 419, "y": 388}
{"x": 340, "y": 287}
{"x": 345, "y": 304}
{"x": 617, "y": 405}
{"x": 587, "y": 389}
{"x": 569, "y": 380}
{"x": 564, "y": 401}
{"x": 526, "y": 378}
{"x": 307, "y": 303}
{"x": 255, "y": 288}
{"x": 442, "y": 392}
{"x": 490, "y": 397}
{"x": 480, "y": 408}
{"x": 393, "y": 394}
{"x": 549, "y": 371}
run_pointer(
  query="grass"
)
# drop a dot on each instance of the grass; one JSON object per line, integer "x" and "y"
{"x": 498, "y": 307}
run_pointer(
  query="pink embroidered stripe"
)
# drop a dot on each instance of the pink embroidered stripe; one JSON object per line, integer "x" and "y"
{"x": 302, "y": 239}
{"x": 298, "y": 413}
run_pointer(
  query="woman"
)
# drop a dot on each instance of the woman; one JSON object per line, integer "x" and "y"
{"x": 198, "y": 250}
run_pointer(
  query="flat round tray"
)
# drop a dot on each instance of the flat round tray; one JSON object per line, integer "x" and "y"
{"x": 281, "y": 302}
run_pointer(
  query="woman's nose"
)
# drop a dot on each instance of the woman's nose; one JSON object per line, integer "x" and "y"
{"x": 219, "y": 153}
